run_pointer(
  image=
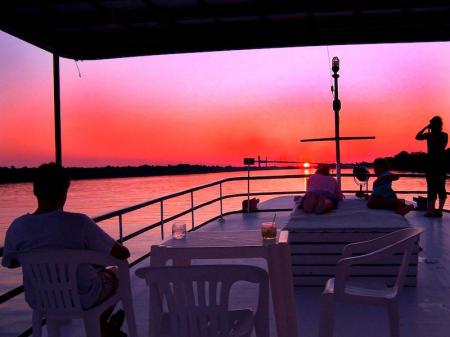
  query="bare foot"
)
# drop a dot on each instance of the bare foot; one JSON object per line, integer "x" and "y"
{"x": 437, "y": 213}
{"x": 323, "y": 205}
{"x": 309, "y": 203}
{"x": 404, "y": 209}
{"x": 433, "y": 214}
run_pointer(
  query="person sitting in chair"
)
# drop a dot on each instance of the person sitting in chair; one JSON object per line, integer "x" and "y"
{"x": 50, "y": 227}
{"x": 383, "y": 196}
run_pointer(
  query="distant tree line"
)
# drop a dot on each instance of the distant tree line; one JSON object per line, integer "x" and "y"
{"x": 412, "y": 162}
{"x": 403, "y": 161}
{"x": 415, "y": 161}
{"x": 25, "y": 174}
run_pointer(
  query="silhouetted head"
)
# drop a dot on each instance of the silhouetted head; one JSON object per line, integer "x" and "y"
{"x": 436, "y": 124}
{"x": 323, "y": 170}
{"x": 50, "y": 184}
{"x": 380, "y": 165}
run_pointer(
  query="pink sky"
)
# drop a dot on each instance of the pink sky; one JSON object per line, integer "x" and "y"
{"x": 216, "y": 108}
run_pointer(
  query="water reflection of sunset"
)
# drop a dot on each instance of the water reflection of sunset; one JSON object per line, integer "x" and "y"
{"x": 216, "y": 108}
{"x": 307, "y": 172}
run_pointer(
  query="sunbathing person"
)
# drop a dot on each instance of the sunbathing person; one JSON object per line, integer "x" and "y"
{"x": 49, "y": 227}
{"x": 322, "y": 192}
{"x": 383, "y": 196}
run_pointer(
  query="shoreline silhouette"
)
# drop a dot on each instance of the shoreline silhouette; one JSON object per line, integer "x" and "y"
{"x": 25, "y": 174}
{"x": 403, "y": 161}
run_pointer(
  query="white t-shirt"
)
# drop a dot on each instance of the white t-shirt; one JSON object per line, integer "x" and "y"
{"x": 60, "y": 230}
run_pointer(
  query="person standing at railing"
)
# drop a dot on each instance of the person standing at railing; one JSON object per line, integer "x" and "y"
{"x": 436, "y": 172}
{"x": 50, "y": 227}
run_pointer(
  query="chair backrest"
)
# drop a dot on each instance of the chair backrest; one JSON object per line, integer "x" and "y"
{"x": 408, "y": 245}
{"x": 50, "y": 279}
{"x": 403, "y": 241}
{"x": 197, "y": 297}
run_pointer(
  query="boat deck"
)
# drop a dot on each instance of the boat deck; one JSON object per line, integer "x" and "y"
{"x": 424, "y": 310}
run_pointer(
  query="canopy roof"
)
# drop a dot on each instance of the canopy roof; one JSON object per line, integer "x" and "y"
{"x": 96, "y": 29}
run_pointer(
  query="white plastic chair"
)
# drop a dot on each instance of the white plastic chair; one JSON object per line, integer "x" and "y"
{"x": 50, "y": 280}
{"x": 401, "y": 241}
{"x": 193, "y": 301}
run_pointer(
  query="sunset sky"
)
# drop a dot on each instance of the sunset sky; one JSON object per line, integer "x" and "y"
{"x": 216, "y": 108}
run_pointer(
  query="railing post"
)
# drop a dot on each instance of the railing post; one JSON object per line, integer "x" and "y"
{"x": 248, "y": 190}
{"x": 162, "y": 220}
{"x": 192, "y": 209}
{"x": 120, "y": 229}
{"x": 221, "y": 205}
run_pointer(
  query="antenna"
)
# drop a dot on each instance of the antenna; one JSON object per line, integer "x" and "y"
{"x": 78, "y": 68}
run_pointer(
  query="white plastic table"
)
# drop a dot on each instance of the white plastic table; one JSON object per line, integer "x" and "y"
{"x": 238, "y": 245}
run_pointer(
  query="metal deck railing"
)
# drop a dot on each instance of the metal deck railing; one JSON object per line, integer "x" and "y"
{"x": 193, "y": 208}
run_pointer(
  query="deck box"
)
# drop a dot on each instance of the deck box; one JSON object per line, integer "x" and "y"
{"x": 317, "y": 241}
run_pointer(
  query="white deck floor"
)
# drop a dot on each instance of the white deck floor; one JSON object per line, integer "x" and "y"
{"x": 424, "y": 311}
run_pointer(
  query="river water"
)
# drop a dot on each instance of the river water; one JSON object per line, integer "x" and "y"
{"x": 95, "y": 197}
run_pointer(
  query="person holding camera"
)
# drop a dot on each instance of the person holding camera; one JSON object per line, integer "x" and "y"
{"x": 436, "y": 171}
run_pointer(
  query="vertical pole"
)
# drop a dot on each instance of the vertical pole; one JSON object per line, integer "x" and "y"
{"x": 192, "y": 209}
{"x": 120, "y": 229}
{"x": 337, "y": 108}
{"x": 162, "y": 220}
{"x": 248, "y": 189}
{"x": 221, "y": 205}
{"x": 338, "y": 148}
{"x": 57, "y": 108}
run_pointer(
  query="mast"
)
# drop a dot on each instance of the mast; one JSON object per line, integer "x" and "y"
{"x": 336, "y": 108}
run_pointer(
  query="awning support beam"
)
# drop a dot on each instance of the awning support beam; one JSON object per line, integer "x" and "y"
{"x": 57, "y": 108}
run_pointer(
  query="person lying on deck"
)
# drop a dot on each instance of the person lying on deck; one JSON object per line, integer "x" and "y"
{"x": 383, "y": 196}
{"x": 49, "y": 227}
{"x": 322, "y": 192}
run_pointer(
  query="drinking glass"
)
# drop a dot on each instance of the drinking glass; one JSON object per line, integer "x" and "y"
{"x": 179, "y": 230}
{"x": 268, "y": 230}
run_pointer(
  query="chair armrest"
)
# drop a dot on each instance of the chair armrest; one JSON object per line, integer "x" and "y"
{"x": 378, "y": 243}
{"x": 77, "y": 256}
{"x": 97, "y": 258}
{"x": 102, "y": 259}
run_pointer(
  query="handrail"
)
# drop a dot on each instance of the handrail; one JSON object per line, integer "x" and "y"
{"x": 120, "y": 212}
{"x": 135, "y": 207}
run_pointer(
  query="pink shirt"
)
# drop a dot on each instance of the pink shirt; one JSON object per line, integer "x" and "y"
{"x": 320, "y": 182}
